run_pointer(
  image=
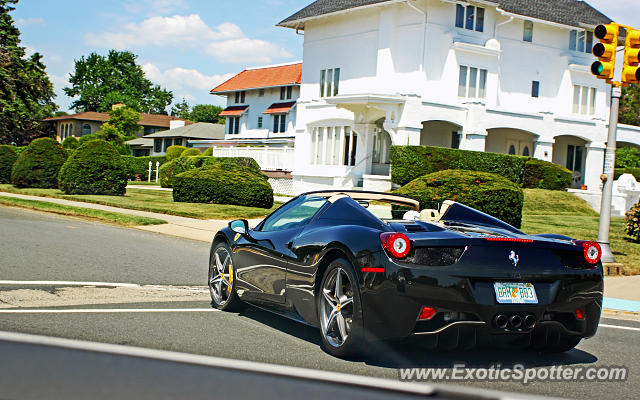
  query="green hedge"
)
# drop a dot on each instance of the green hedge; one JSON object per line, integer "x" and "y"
{"x": 174, "y": 152}
{"x": 632, "y": 222}
{"x": 39, "y": 164}
{"x": 182, "y": 164}
{"x": 540, "y": 174}
{"x": 633, "y": 171}
{"x": 223, "y": 184}
{"x": 486, "y": 192}
{"x": 8, "y": 157}
{"x": 96, "y": 167}
{"x": 140, "y": 166}
{"x": 191, "y": 153}
{"x": 70, "y": 143}
{"x": 208, "y": 152}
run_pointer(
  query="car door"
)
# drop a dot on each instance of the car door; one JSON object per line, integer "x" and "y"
{"x": 260, "y": 257}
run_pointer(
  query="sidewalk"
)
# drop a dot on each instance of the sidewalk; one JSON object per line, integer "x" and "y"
{"x": 282, "y": 199}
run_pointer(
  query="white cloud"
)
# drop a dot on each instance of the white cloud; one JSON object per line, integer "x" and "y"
{"x": 24, "y": 22}
{"x": 245, "y": 50}
{"x": 183, "y": 82}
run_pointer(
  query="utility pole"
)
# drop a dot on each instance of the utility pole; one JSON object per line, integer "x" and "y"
{"x": 607, "y": 178}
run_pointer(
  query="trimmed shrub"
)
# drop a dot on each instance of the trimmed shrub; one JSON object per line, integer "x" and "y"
{"x": 633, "y": 171}
{"x": 70, "y": 143}
{"x": 411, "y": 162}
{"x": 140, "y": 166}
{"x": 96, "y": 167}
{"x": 226, "y": 184}
{"x": 191, "y": 152}
{"x": 632, "y": 222}
{"x": 627, "y": 157}
{"x": 8, "y": 157}
{"x": 208, "y": 152}
{"x": 174, "y": 152}
{"x": 182, "y": 164}
{"x": 486, "y": 192}
{"x": 540, "y": 174}
{"x": 39, "y": 164}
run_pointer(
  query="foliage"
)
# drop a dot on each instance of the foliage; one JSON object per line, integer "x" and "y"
{"x": 191, "y": 152}
{"x": 627, "y": 157}
{"x": 633, "y": 171}
{"x": 223, "y": 184}
{"x": 94, "y": 168}
{"x": 630, "y": 105}
{"x": 140, "y": 166}
{"x": 411, "y": 162}
{"x": 182, "y": 164}
{"x": 181, "y": 110}
{"x": 85, "y": 138}
{"x": 70, "y": 143}
{"x": 486, "y": 192}
{"x": 632, "y": 222}
{"x": 110, "y": 133}
{"x": 100, "y": 81}
{"x": 206, "y": 113}
{"x": 39, "y": 164}
{"x": 174, "y": 152}
{"x": 26, "y": 93}
{"x": 545, "y": 175}
{"x": 125, "y": 120}
{"x": 8, "y": 157}
{"x": 208, "y": 152}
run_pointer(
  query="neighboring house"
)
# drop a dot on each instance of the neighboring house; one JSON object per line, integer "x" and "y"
{"x": 156, "y": 144}
{"x": 89, "y": 122}
{"x": 261, "y": 102}
{"x": 505, "y": 76}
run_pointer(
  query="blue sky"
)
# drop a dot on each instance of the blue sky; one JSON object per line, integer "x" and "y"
{"x": 187, "y": 46}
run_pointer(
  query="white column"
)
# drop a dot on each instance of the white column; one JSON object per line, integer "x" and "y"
{"x": 594, "y": 164}
{"x": 544, "y": 150}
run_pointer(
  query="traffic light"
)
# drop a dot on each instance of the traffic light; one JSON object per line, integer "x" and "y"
{"x": 630, "y": 69}
{"x": 605, "y": 51}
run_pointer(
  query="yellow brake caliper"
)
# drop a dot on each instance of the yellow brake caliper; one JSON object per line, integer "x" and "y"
{"x": 230, "y": 277}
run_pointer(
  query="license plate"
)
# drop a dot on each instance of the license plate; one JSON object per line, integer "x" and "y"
{"x": 515, "y": 293}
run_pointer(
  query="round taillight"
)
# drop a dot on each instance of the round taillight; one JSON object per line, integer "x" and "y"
{"x": 396, "y": 244}
{"x": 592, "y": 251}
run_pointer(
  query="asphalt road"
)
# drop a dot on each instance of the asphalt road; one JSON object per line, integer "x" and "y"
{"x": 43, "y": 247}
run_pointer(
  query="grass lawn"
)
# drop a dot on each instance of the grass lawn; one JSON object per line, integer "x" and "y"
{"x": 154, "y": 201}
{"x": 565, "y": 214}
{"x": 104, "y": 216}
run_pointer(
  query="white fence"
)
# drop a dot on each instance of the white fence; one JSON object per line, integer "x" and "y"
{"x": 269, "y": 158}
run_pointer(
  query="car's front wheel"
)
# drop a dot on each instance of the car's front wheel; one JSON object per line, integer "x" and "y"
{"x": 222, "y": 287}
{"x": 339, "y": 310}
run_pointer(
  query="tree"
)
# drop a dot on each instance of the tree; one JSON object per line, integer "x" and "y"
{"x": 630, "y": 105}
{"x": 99, "y": 81}
{"x": 181, "y": 110}
{"x": 206, "y": 113}
{"x": 26, "y": 93}
{"x": 121, "y": 126}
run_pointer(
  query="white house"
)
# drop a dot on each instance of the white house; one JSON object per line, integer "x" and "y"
{"x": 508, "y": 76}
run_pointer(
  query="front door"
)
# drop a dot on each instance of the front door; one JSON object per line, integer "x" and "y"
{"x": 575, "y": 163}
{"x": 519, "y": 148}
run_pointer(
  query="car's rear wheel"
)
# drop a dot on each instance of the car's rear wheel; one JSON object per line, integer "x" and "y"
{"x": 339, "y": 310}
{"x": 222, "y": 282}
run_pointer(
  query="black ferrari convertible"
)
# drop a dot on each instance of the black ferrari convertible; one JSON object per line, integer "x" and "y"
{"x": 366, "y": 266}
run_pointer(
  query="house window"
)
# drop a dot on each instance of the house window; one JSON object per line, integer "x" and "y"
{"x": 470, "y": 17}
{"x": 472, "y": 82}
{"x": 528, "y": 31}
{"x": 329, "y": 82}
{"x": 240, "y": 97}
{"x": 279, "y": 123}
{"x": 261, "y": 93}
{"x": 233, "y": 125}
{"x": 455, "y": 140}
{"x": 167, "y": 143}
{"x": 535, "y": 89}
{"x": 259, "y": 122}
{"x": 333, "y": 145}
{"x": 157, "y": 145}
{"x": 177, "y": 142}
{"x": 86, "y": 129}
{"x": 289, "y": 92}
{"x": 148, "y": 130}
{"x": 584, "y": 100}
{"x": 581, "y": 41}
{"x": 283, "y": 91}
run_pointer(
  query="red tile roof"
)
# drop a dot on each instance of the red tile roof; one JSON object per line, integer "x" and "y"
{"x": 233, "y": 111}
{"x": 157, "y": 120}
{"x": 279, "y": 108}
{"x": 282, "y": 75}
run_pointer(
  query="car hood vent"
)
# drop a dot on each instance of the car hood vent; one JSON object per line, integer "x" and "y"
{"x": 414, "y": 228}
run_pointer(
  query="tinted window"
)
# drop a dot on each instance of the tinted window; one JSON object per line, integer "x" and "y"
{"x": 293, "y": 215}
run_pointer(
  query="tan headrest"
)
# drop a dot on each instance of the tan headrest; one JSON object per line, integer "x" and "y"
{"x": 429, "y": 215}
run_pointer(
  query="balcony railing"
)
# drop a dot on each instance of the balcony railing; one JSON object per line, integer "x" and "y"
{"x": 269, "y": 158}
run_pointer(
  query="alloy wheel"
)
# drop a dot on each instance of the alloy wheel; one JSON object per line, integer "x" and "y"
{"x": 221, "y": 276}
{"x": 337, "y": 307}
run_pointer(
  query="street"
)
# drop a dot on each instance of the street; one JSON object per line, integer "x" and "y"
{"x": 62, "y": 249}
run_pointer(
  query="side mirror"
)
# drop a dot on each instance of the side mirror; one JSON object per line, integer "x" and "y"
{"x": 239, "y": 226}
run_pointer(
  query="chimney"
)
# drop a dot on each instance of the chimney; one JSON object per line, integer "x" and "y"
{"x": 117, "y": 105}
{"x": 176, "y": 123}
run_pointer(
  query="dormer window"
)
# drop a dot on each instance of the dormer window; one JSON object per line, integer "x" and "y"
{"x": 581, "y": 41}
{"x": 470, "y": 17}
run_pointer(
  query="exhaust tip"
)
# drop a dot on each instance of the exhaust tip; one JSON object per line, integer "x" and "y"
{"x": 501, "y": 321}
{"x": 530, "y": 321}
{"x": 515, "y": 321}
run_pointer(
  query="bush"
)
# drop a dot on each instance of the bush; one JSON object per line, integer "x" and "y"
{"x": 411, "y": 162}
{"x": 208, "y": 152}
{"x": 191, "y": 152}
{"x": 86, "y": 138}
{"x": 96, "y": 167}
{"x": 182, "y": 164}
{"x": 540, "y": 174}
{"x": 223, "y": 184}
{"x": 486, "y": 192}
{"x": 70, "y": 143}
{"x": 633, "y": 171}
{"x": 39, "y": 164}
{"x": 8, "y": 157}
{"x": 627, "y": 157}
{"x": 174, "y": 152}
{"x": 632, "y": 222}
{"x": 140, "y": 166}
